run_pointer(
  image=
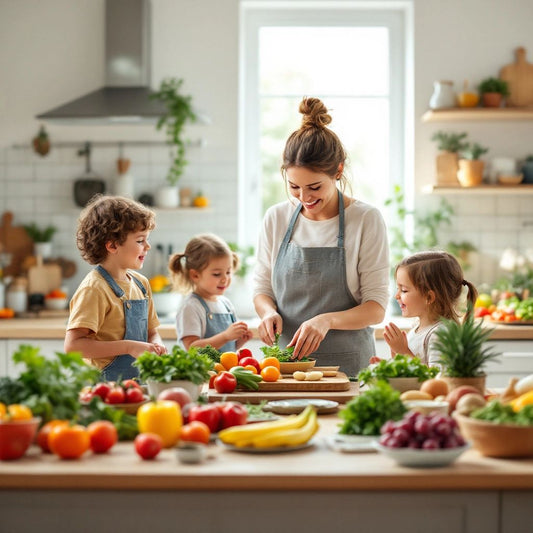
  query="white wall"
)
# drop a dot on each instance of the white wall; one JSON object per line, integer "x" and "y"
{"x": 52, "y": 51}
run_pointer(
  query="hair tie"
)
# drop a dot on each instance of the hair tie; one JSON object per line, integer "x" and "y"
{"x": 465, "y": 283}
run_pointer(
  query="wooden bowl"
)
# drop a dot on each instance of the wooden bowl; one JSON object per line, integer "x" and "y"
{"x": 296, "y": 366}
{"x": 497, "y": 440}
{"x": 510, "y": 179}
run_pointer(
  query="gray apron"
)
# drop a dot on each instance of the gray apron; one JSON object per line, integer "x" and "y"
{"x": 217, "y": 323}
{"x": 311, "y": 281}
{"x": 136, "y": 320}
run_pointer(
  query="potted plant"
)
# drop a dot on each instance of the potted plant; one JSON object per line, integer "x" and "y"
{"x": 179, "y": 368}
{"x": 462, "y": 352}
{"x": 492, "y": 91}
{"x": 449, "y": 145}
{"x": 42, "y": 239}
{"x": 471, "y": 168}
{"x": 179, "y": 113}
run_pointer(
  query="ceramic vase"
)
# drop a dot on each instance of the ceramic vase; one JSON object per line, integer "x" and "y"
{"x": 167, "y": 197}
{"x": 470, "y": 173}
{"x": 447, "y": 167}
{"x": 443, "y": 95}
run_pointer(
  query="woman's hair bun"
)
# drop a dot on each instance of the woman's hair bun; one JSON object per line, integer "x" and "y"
{"x": 315, "y": 113}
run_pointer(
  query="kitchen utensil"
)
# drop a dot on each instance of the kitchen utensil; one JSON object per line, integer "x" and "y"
{"x": 519, "y": 76}
{"x": 89, "y": 184}
{"x": 14, "y": 241}
{"x": 43, "y": 278}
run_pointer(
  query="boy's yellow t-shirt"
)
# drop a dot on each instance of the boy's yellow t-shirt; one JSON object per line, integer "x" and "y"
{"x": 95, "y": 306}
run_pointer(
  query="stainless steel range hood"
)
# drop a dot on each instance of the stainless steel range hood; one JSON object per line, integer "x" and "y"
{"x": 125, "y": 97}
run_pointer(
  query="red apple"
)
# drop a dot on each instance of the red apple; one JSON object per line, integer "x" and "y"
{"x": 175, "y": 394}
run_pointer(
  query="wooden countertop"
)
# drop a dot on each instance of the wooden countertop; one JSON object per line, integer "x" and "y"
{"x": 314, "y": 468}
{"x": 54, "y": 328}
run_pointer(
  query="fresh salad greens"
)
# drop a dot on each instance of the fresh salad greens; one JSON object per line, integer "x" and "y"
{"x": 48, "y": 386}
{"x": 402, "y": 366}
{"x": 500, "y": 413}
{"x": 283, "y": 355}
{"x": 524, "y": 309}
{"x": 213, "y": 353}
{"x": 178, "y": 364}
{"x": 366, "y": 413}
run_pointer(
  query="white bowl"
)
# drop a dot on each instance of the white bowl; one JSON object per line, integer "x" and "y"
{"x": 55, "y": 304}
{"x": 422, "y": 458}
{"x": 191, "y": 452}
{"x": 427, "y": 406}
{"x": 156, "y": 387}
{"x": 167, "y": 303}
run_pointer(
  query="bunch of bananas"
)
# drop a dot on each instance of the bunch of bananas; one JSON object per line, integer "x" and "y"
{"x": 290, "y": 431}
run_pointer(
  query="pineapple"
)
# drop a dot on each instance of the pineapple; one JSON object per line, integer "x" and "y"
{"x": 462, "y": 354}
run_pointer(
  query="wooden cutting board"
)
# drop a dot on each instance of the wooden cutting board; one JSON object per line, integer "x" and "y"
{"x": 256, "y": 397}
{"x": 338, "y": 383}
{"x": 519, "y": 76}
{"x": 15, "y": 241}
{"x": 43, "y": 278}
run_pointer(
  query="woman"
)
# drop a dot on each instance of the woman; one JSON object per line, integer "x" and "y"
{"x": 322, "y": 269}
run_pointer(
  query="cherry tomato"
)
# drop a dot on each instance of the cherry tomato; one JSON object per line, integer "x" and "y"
{"x": 233, "y": 414}
{"x": 130, "y": 383}
{"x": 195, "y": 431}
{"x": 134, "y": 395}
{"x": 102, "y": 390}
{"x": 225, "y": 382}
{"x": 148, "y": 445}
{"x": 103, "y": 435}
{"x": 115, "y": 395}
{"x": 69, "y": 442}
{"x": 244, "y": 352}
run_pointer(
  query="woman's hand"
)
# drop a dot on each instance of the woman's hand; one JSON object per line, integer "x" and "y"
{"x": 270, "y": 324}
{"x": 396, "y": 339}
{"x": 309, "y": 335}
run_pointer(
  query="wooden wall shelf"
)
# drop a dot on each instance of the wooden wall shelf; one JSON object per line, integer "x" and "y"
{"x": 478, "y": 114}
{"x": 480, "y": 189}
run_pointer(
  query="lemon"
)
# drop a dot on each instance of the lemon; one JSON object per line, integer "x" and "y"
{"x": 483, "y": 300}
{"x": 159, "y": 283}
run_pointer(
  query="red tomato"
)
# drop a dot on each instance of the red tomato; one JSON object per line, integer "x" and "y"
{"x": 233, "y": 414}
{"x": 211, "y": 379}
{"x": 251, "y": 361}
{"x": 208, "y": 414}
{"x": 130, "y": 383}
{"x": 134, "y": 395}
{"x": 69, "y": 442}
{"x": 195, "y": 431}
{"x": 103, "y": 435}
{"x": 148, "y": 445}
{"x": 116, "y": 395}
{"x": 44, "y": 432}
{"x": 102, "y": 390}
{"x": 244, "y": 352}
{"x": 225, "y": 382}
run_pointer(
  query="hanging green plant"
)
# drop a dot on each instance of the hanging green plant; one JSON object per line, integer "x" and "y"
{"x": 179, "y": 112}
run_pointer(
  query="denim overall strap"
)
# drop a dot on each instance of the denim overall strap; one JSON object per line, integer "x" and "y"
{"x": 217, "y": 323}
{"x": 309, "y": 281}
{"x": 136, "y": 328}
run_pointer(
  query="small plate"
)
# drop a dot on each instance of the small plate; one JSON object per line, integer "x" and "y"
{"x": 422, "y": 458}
{"x": 351, "y": 443}
{"x": 289, "y": 407}
{"x": 276, "y": 449}
{"x": 294, "y": 366}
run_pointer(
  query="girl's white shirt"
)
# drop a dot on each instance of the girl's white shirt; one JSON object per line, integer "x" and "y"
{"x": 365, "y": 242}
{"x": 421, "y": 341}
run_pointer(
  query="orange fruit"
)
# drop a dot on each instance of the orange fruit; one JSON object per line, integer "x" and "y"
{"x": 17, "y": 411}
{"x": 219, "y": 367}
{"x": 3, "y": 410}
{"x": 195, "y": 431}
{"x": 229, "y": 360}
{"x": 44, "y": 433}
{"x": 69, "y": 442}
{"x": 270, "y": 373}
{"x": 269, "y": 361}
{"x": 252, "y": 368}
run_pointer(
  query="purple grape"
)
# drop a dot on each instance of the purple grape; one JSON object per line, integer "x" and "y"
{"x": 401, "y": 435}
{"x": 430, "y": 444}
{"x": 393, "y": 443}
{"x": 443, "y": 429}
{"x": 406, "y": 425}
{"x": 414, "y": 443}
{"x": 422, "y": 426}
{"x": 411, "y": 416}
{"x": 450, "y": 442}
{"x": 388, "y": 427}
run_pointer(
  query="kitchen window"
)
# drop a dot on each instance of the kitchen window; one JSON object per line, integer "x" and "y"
{"x": 355, "y": 60}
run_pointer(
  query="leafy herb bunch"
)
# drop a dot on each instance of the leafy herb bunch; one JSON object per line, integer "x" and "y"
{"x": 500, "y": 413}
{"x": 178, "y": 364}
{"x": 366, "y": 413}
{"x": 283, "y": 355}
{"x": 402, "y": 366}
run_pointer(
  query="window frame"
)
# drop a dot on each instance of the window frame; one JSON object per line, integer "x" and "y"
{"x": 396, "y": 16}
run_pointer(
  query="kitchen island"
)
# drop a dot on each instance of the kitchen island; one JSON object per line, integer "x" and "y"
{"x": 312, "y": 490}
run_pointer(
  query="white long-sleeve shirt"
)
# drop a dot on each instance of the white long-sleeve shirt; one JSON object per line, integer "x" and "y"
{"x": 365, "y": 242}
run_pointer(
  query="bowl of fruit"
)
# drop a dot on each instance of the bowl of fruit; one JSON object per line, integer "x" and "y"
{"x": 18, "y": 428}
{"x": 419, "y": 440}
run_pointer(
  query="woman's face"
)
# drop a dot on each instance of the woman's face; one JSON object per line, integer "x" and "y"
{"x": 316, "y": 191}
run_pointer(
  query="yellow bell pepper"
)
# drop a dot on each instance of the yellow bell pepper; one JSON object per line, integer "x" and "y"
{"x": 162, "y": 417}
{"x": 522, "y": 401}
